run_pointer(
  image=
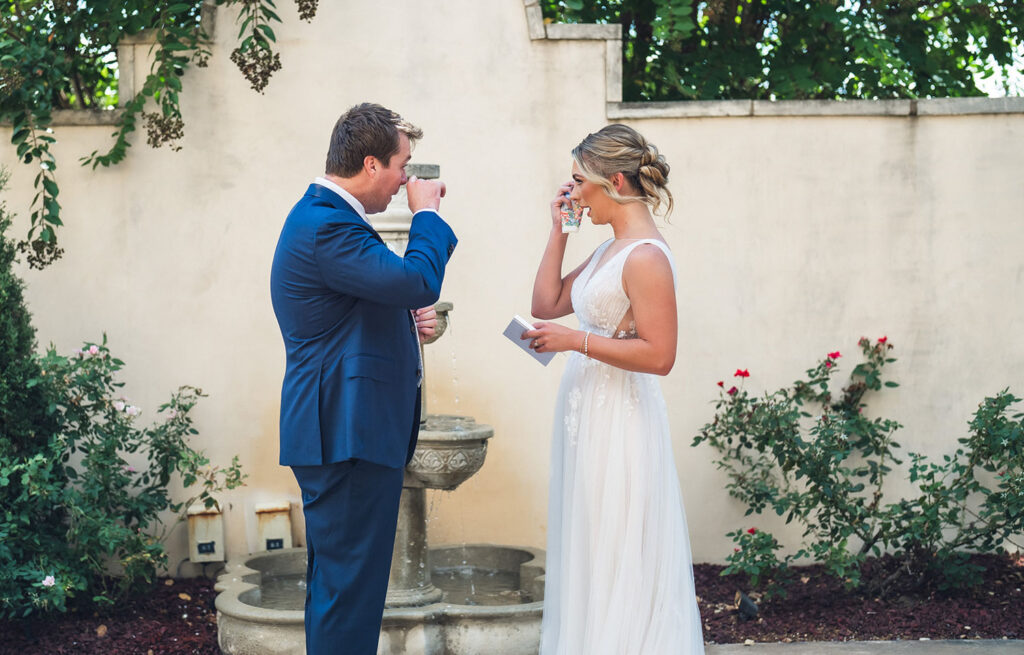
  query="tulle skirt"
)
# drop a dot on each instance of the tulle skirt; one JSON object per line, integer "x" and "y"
{"x": 619, "y": 577}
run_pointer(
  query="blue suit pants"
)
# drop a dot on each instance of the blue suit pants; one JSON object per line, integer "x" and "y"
{"x": 351, "y": 511}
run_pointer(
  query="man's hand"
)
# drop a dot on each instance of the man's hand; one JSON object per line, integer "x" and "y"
{"x": 426, "y": 322}
{"x": 424, "y": 194}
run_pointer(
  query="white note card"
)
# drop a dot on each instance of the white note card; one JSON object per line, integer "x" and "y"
{"x": 514, "y": 332}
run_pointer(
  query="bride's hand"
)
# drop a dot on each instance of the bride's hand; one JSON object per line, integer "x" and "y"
{"x": 553, "y": 338}
{"x": 556, "y": 205}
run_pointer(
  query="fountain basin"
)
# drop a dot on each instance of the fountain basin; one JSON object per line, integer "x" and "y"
{"x": 450, "y": 449}
{"x": 492, "y": 603}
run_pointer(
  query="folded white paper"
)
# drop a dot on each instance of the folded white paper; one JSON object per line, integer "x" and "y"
{"x": 514, "y": 332}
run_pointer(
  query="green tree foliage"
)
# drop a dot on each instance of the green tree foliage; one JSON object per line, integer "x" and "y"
{"x": 798, "y": 49}
{"x": 62, "y": 54}
{"x": 73, "y": 509}
{"x": 23, "y": 414}
{"x": 815, "y": 456}
{"x": 28, "y": 432}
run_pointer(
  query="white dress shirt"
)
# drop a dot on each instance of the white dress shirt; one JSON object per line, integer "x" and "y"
{"x": 345, "y": 195}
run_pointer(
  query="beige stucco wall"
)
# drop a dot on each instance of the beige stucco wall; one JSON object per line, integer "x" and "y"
{"x": 793, "y": 235}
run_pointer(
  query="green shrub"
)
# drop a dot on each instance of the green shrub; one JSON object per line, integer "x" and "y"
{"x": 816, "y": 458}
{"x": 73, "y": 510}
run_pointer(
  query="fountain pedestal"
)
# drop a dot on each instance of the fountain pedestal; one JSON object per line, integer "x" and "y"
{"x": 449, "y": 451}
{"x": 410, "y": 584}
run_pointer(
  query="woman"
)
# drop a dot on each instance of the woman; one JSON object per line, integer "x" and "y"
{"x": 619, "y": 571}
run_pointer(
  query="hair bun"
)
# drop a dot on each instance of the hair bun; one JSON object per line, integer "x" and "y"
{"x": 653, "y": 165}
{"x": 649, "y": 156}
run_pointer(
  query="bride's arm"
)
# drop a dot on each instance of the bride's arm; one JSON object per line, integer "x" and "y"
{"x": 647, "y": 279}
{"x": 552, "y": 292}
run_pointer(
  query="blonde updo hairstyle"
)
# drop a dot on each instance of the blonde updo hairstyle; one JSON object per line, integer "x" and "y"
{"x": 621, "y": 149}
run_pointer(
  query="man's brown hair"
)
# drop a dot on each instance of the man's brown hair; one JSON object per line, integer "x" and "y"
{"x": 366, "y": 130}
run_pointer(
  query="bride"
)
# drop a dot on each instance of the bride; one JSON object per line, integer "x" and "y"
{"x": 619, "y": 570}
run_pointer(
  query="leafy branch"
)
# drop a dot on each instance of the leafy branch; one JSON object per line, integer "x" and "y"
{"x": 61, "y": 55}
{"x": 32, "y": 137}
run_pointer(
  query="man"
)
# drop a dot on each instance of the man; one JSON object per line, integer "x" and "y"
{"x": 350, "y": 401}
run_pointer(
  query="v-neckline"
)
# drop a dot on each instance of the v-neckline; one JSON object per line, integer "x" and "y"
{"x": 599, "y": 266}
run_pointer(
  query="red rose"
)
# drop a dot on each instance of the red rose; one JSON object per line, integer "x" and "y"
{"x": 721, "y": 384}
{"x": 752, "y": 531}
{"x": 883, "y": 339}
{"x": 828, "y": 364}
{"x": 732, "y": 391}
{"x": 834, "y": 355}
{"x": 741, "y": 373}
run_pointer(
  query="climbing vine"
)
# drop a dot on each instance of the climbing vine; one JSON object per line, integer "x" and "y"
{"x": 62, "y": 54}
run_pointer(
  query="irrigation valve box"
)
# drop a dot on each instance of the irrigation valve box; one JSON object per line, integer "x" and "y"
{"x": 273, "y": 526}
{"x": 205, "y": 534}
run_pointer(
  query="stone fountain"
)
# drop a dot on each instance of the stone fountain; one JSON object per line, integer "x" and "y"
{"x": 449, "y": 600}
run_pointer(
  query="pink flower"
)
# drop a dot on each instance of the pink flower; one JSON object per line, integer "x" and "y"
{"x": 828, "y": 364}
{"x": 752, "y": 531}
{"x": 741, "y": 373}
{"x": 119, "y": 405}
{"x": 721, "y": 384}
{"x": 93, "y": 350}
{"x": 735, "y": 550}
{"x": 732, "y": 391}
{"x": 834, "y": 355}
{"x": 883, "y": 339}
{"x": 132, "y": 410}
{"x": 49, "y": 581}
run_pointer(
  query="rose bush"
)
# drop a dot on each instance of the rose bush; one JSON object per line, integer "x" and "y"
{"x": 815, "y": 457}
{"x": 76, "y": 518}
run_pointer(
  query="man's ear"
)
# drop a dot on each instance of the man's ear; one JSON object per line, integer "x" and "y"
{"x": 371, "y": 165}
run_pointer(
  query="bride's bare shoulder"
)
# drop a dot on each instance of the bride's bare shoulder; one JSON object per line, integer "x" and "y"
{"x": 649, "y": 256}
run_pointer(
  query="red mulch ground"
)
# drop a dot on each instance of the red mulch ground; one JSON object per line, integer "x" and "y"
{"x": 180, "y": 619}
{"x": 170, "y": 619}
{"x": 821, "y": 610}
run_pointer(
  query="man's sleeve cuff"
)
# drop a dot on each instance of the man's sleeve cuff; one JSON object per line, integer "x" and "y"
{"x": 432, "y": 211}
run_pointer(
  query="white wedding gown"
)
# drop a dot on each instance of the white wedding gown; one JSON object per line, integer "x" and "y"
{"x": 619, "y": 570}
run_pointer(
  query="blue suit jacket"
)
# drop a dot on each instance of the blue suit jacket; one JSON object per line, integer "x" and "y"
{"x": 342, "y": 301}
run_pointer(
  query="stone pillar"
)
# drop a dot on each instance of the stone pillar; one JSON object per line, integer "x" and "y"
{"x": 409, "y": 584}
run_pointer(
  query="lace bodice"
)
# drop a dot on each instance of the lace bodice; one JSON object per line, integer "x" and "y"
{"x": 598, "y": 299}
